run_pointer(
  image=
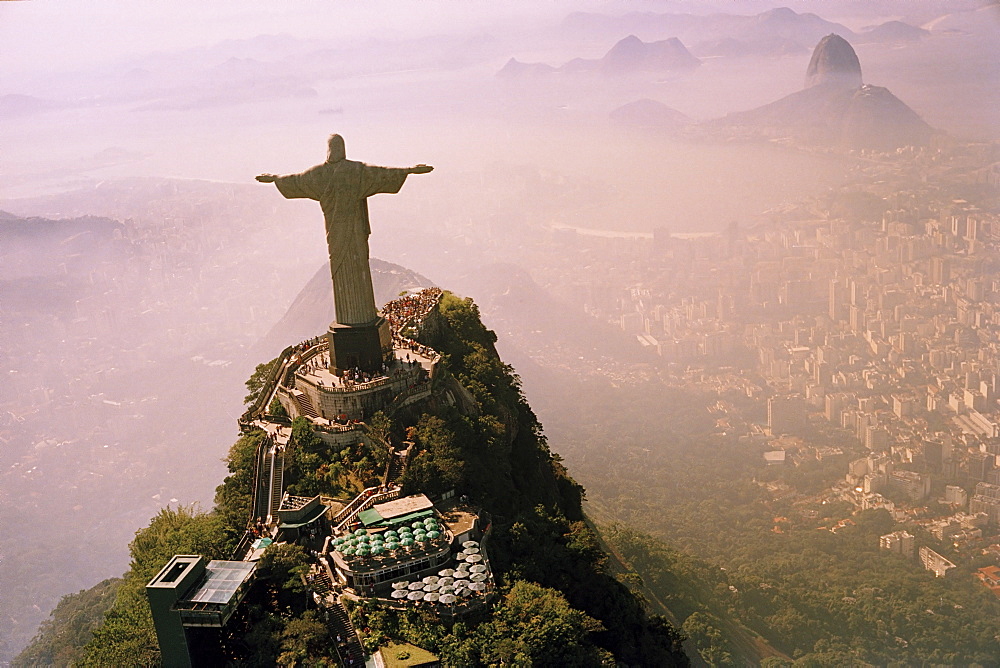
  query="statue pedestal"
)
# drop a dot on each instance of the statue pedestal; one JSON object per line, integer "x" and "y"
{"x": 362, "y": 347}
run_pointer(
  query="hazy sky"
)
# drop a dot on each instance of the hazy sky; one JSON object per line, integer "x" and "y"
{"x": 36, "y": 35}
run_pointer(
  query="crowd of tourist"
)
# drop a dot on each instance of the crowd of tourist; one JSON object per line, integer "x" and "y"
{"x": 409, "y": 311}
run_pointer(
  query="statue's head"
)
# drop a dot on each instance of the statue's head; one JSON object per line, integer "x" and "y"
{"x": 335, "y": 151}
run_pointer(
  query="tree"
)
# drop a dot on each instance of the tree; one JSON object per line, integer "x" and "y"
{"x": 305, "y": 641}
{"x": 277, "y": 409}
{"x": 70, "y": 626}
{"x": 127, "y": 636}
{"x": 255, "y": 383}
{"x": 284, "y": 567}
{"x": 536, "y": 625}
{"x": 703, "y": 630}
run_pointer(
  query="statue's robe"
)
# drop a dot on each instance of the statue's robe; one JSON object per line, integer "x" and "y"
{"x": 342, "y": 188}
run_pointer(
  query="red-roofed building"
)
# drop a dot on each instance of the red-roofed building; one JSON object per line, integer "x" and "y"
{"x": 990, "y": 577}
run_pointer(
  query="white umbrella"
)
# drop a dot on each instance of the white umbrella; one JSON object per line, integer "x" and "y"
{"x": 448, "y": 598}
{"x": 415, "y": 595}
{"x": 432, "y": 587}
{"x": 413, "y": 586}
{"x": 400, "y": 593}
{"x": 478, "y": 577}
{"x": 478, "y": 586}
{"x": 431, "y": 596}
{"x": 478, "y": 568}
{"x": 446, "y": 581}
{"x": 472, "y": 550}
{"x": 447, "y": 589}
{"x": 446, "y": 573}
{"x": 431, "y": 579}
{"x": 461, "y": 583}
{"x": 464, "y": 591}
{"x": 470, "y": 543}
{"x": 474, "y": 558}
{"x": 402, "y": 584}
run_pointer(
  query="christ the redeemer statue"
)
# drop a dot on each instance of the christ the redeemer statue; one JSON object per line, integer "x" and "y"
{"x": 358, "y": 336}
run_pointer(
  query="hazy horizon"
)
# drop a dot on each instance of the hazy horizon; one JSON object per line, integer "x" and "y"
{"x": 144, "y": 113}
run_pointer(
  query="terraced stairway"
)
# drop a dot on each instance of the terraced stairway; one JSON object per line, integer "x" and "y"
{"x": 340, "y": 625}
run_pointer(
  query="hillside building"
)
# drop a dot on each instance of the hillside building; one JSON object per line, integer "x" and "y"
{"x": 898, "y": 542}
{"x": 934, "y": 562}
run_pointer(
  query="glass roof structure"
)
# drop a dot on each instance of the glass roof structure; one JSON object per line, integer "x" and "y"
{"x": 222, "y": 579}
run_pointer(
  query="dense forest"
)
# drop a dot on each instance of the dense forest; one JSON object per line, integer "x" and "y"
{"x": 559, "y": 602}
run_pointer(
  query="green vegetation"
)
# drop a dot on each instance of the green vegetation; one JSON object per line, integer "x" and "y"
{"x": 234, "y": 497}
{"x": 499, "y": 458}
{"x": 255, "y": 383}
{"x": 315, "y": 467}
{"x": 768, "y": 565}
{"x": 127, "y": 637}
{"x": 531, "y": 625}
{"x": 276, "y": 410}
{"x": 60, "y": 639}
{"x": 560, "y": 604}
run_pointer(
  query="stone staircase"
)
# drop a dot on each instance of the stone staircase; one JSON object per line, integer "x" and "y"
{"x": 395, "y": 469}
{"x": 340, "y": 625}
{"x": 305, "y": 404}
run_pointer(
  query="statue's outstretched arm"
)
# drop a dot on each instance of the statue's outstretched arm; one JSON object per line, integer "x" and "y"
{"x": 266, "y": 178}
{"x": 418, "y": 169}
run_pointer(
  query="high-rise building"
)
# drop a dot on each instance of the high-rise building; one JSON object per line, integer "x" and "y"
{"x": 900, "y": 542}
{"x": 955, "y": 495}
{"x": 940, "y": 271}
{"x": 986, "y": 500}
{"x": 980, "y": 463}
{"x": 934, "y": 562}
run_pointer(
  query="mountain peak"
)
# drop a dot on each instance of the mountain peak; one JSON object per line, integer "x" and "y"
{"x": 834, "y": 61}
{"x": 631, "y": 53}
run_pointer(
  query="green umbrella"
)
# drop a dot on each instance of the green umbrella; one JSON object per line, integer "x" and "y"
{"x": 418, "y": 524}
{"x": 360, "y": 532}
{"x": 378, "y": 549}
{"x": 433, "y": 534}
{"x": 349, "y": 551}
{"x": 362, "y": 552}
{"x": 421, "y": 538}
{"x": 406, "y": 541}
{"x": 338, "y": 541}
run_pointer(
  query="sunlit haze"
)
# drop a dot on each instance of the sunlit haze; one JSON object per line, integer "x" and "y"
{"x": 599, "y": 188}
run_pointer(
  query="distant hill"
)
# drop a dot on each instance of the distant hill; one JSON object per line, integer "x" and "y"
{"x": 631, "y": 54}
{"x": 773, "y": 32}
{"x": 891, "y": 31}
{"x": 650, "y": 114}
{"x": 44, "y": 263}
{"x": 628, "y": 56}
{"x": 835, "y": 108}
{"x": 515, "y": 69}
{"x": 312, "y": 311}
